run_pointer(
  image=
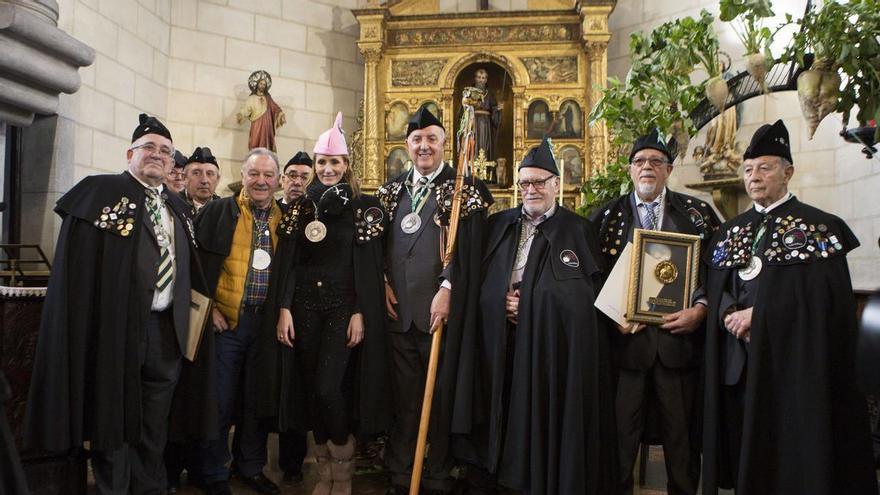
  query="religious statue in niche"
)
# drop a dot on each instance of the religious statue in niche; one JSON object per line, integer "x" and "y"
{"x": 261, "y": 110}
{"x": 487, "y": 114}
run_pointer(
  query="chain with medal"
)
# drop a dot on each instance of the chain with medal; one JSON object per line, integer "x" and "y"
{"x": 156, "y": 202}
{"x": 755, "y": 264}
{"x": 316, "y": 230}
{"x": 412, "y": 222}
{"x": 261, "y": 258}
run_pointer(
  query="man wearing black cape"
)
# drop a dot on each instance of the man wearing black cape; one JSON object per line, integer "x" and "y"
{"x": 418, "y": 203}
{"x": 116, "y": 320}
{"x": 545, "y": 368}
{"x": 782, "y": 412}
{"x": 657, "y": 367}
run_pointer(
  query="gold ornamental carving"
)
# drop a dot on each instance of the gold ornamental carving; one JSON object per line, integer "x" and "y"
{"x": 540, "y": 66}
{"x": 484, "y": 34}
{"x": 552, "y": 69}
{"x": 406, "y": 73}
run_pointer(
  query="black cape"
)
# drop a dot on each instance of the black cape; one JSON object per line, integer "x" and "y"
{"x": 805, "y": 425}
{"x": 86, "y": 379}
{"x": 557, "y": 436}
{"x": 281, "y": 399}
{"x": 454, "y": 389}
{"x": 12, "y": 480}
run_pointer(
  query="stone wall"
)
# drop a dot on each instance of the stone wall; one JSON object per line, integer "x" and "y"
{"x": 829, "y": 173}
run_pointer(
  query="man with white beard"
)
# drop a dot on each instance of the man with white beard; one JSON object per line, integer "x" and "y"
{"x": 657, "y": 362}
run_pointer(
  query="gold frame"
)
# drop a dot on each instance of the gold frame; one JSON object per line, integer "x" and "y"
{"x": 640, "y": 238}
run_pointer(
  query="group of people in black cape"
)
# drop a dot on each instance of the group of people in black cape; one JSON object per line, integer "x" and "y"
{"x": 324, "y": 305}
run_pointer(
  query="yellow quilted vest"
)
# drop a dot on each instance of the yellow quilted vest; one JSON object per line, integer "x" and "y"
{"x": 233, "y": 275}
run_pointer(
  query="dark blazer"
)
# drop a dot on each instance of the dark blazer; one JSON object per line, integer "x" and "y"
{"x": 615, "y": 222}
{"x": 215, "y": 227}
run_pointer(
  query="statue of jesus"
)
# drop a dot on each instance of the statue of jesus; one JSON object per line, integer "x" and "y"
{"x": 261, "y": 110}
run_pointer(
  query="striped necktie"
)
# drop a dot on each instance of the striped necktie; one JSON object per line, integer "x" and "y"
{"x": 165, "y": 272}
{"x": 651, "y": 214}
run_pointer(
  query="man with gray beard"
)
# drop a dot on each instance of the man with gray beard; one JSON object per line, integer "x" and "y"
{"x": 657, "y": 362}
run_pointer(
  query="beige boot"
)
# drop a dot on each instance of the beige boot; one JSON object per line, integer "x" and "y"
{"x": 322, "y": 463}
{"x": 342, "y": 466}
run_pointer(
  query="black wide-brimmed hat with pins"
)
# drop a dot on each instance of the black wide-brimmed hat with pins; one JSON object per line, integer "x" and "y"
{"x": 203, "y": 155}
{"x": 179, "y": 159}
{"x": 300, "y": 158}
{"x": 421, "y": 119}
{"x": 655, "y": 141}
{"x": 150, "y": 125}
{"x": 770, "y": 140}
{"x": 541, "y": 156}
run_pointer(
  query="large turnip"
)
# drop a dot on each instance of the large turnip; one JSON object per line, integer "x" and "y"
{"x": 756, "y": 66}
{"x": 716, "y": 91}
{"x": 818, "y": 91}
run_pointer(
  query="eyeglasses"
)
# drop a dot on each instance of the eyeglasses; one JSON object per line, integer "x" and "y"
{"x": 539, "y": 184}
{"x": 176, "y": 174}
{"x": 151, "y": 148}
{"x": 295, "y": 176}
{"x": 653, "y": 162}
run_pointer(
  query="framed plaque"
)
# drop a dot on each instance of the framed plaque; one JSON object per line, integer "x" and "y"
{"x": 664, "y": 272}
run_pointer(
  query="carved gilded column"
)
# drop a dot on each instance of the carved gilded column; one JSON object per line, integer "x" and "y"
{"x": 373, "y": 175}
{"x": 447, "y": 106}
{"x": 595, "y": 36}
{"x": 520, "y": 109}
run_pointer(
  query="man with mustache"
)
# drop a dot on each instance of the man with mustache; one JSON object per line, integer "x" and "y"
{"x": 202, "y": 176}
{"x": 418, "y": 203}
{"x": 237, "y": 237}
{"x": 783, "y": 414}
{"x": 656, "y": 361}
{"x": 115, "y": 322}
{"x": 294, "y": 178}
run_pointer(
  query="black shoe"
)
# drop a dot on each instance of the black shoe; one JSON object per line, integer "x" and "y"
{"x": 260, "y": 484}
{"x": 292, "y": 477}
{"x": 218, "y": 488}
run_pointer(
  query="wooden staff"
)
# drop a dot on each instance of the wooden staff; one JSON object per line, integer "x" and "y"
{"x": 447, "y": 244}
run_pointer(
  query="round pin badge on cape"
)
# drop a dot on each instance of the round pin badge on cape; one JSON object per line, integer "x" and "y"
{"x": 316, "y": 231}
{"x": 373, "y": 215}
{"x": 568, "y": 258}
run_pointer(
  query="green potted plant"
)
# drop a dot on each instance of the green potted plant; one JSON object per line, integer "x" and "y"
{"x": 843, "y": 39}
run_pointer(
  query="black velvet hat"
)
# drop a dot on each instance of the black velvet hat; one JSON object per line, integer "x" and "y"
{"x": 421, "y": 119}
{"x": 770, "y": 140}
{"x": 541, "y": 156}
{"x": 179, "y": 159}
{"x": 655, "y": 142}
{"x": 203, "y": 155}
{"x": 300, "y": 158}
{"x": 150, "y": 125}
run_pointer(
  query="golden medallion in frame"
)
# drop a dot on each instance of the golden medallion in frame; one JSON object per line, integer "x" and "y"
{"x": 664, "y": 273}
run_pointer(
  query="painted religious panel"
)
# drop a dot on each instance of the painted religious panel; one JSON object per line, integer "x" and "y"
{"x": 552, "y": 69}
{"x": 539, "y": 119}
{"x": 569, "y": 121}
{"x": 433, "y": 108}
{"x": 395, "y": 122}
{"x": 397, "y": 162}
{"x": 572, "y": 166}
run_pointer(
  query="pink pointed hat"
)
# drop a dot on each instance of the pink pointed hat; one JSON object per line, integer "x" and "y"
{"x": 332, "y": 141}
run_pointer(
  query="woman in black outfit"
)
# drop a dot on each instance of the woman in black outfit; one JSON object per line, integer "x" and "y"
{"x": 330, "y": 313}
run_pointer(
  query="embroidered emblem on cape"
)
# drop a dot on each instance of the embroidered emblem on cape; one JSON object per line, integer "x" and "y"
{"x": 118, "y": 219}
{"x": 696, "y": 217}
{"x": 568, "y": 258}
{"x": 373, "y": 215}
{"x": 793, "y": 239}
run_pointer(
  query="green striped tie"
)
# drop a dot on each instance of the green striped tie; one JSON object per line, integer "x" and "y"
{"x": 165, "y": 265}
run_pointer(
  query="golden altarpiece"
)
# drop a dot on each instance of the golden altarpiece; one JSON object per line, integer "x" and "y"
{"x": 540, "y": 67}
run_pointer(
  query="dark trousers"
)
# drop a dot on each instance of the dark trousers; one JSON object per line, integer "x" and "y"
{"x": 180, "y": 456}
{"x": 733, "y": 403}
{"x": 237, "y": 353}
{"x": 409, "y": 361}
{"x": 291, "y": 451}
{"x": 321, "y": 324}
{"x": 674, "y": 389}
{"x": 139, "y": 468}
